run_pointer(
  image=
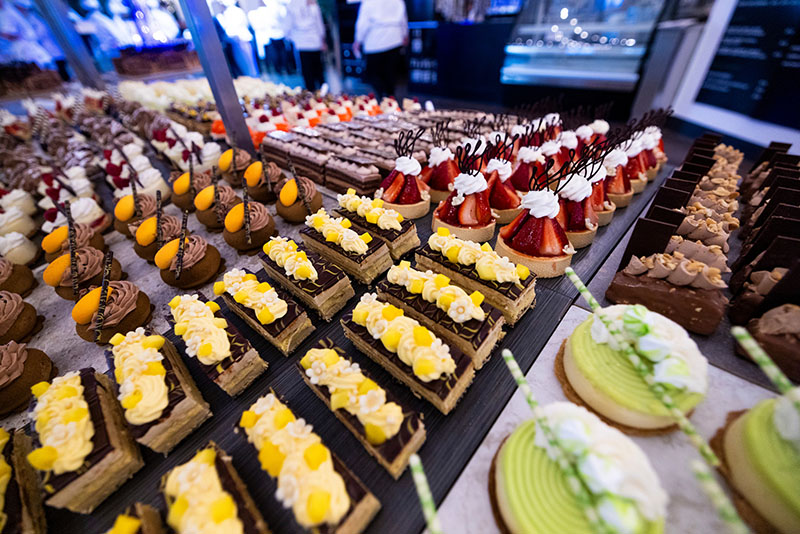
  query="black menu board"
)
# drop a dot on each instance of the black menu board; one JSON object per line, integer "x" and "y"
{"x": 756, "y": 70}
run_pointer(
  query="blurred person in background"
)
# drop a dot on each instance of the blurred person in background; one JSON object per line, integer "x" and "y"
{"x": 36, "y": 42}
{"x": 381, "y": 33}
{"x": 259, "y": 21}
{"x": 304, "y": 27}
{"x": 164, "y": 26}
{"x": 237, "y": 32}
{"x": 125, "y": 30}
{"x": 277, "y": 53}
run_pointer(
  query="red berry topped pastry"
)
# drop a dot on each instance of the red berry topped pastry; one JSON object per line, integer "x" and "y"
{"x": 577, "y": 215}
{"x": 535, "y": 238}
{"x": 403, "y": 190}
{"x": 596, "y": 173}
{"x": 529, "y": 158}
{"x": 503, "y": 198}
{"x": 441, "y": 169}
{"x": 466, "y": 212}
{"x": 618, "y": 186}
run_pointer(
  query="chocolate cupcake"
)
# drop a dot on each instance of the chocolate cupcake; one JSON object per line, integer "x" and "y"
{"x": 127, "y": 308}
{"x": 146, "y": 244}
{"x": 206, "y": 206}
{"x": 89, "y": 266}
{"x": 18, "y": 320}
{"x": 297, "y": 199}
{"x": 21, "y": 368}
{"x": 201, "y": 262}
{"x": 125, "y": 212}
{"x": 56, "y": 242}
{"x": 261, "y": 182}
{"x": 16, "y": 278}
{"x": 262, "y": 227}
{"x": 181, "y": 190}
{"x": 232, "y": 164}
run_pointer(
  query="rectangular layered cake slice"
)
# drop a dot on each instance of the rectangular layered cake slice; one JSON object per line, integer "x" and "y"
{"x": 319, "y": 284}
{"x": 334, "y": 499}
{"x": 409, "y": 352}
{"x": 268, "y": 310}
{"x": 461, "y": 319}
{"x": 138, "y": 519}
{"x": 221, "y": 499}
{"x": 142, "y": 364}
{"x": 80, "y": 473}
{"x": 361, "y": 256}
{"x": 276, "y": 146}
{"x": 224, "y": 355}
{"x": 309, "y": 158}
{"x": 369, "y": 215}
{"x": 507, "y": 286}
{"x": 344, "y": 171}
{"x": 21, "y": 503}
{"x": 390, "y": 432}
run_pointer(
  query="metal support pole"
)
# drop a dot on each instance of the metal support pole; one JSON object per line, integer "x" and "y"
{"x": 56, "y": 15}
{"x": 209, "y": 49}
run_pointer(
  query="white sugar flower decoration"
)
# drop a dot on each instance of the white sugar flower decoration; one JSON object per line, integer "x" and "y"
{"x": 372, "y": 401}
{"x": 299, "y": 429}
{"x": 288, "y": 491}
{"x": 460, "y": 310}
{"x": 264, "y": 404}
{"x": 379, "y": 328}
{"x": 316, "y": 372}
{"x": 352, "y": 368}
{"x": 369, "y": 298}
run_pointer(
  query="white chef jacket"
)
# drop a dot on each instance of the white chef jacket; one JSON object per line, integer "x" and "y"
{"x": 304, "y": 26}
{"x": 234, "y": 22}
{"x": 381, "y": 25}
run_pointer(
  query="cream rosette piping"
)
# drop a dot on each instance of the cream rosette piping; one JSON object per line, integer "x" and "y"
{"x": 204, "y": 334}
{"x": 338, "y": 231}
{"x": 676, "y": 269}
{"x": 196, "y": 500}
{"x": 249, "y": 292}
{"x": 460, "y": 306}
{"x": 140, "y": 373}
{"x": 62, "y": 421}
{"x": 371, "y": 209}
{"x": 290, "y": 451}
{"x": 295, "y": 262}
{"x": 489, "y": 264}
{"x": 414, "y": 344}
{"x": 355, "y": 393}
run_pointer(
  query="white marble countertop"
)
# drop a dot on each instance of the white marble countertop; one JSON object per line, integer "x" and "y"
{"x": 466, "y": 508}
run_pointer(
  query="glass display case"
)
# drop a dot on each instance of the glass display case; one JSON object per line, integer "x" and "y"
{"x": 579, "y": 43}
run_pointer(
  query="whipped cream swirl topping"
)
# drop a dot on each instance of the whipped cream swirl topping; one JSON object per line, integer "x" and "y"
{"x": 786, "y": 419}
{"x": 676, "y": 269}
{"x": 552, "y": 118}
{"x": 467, "y": 184}
{"x": 655, "y": 131}
{"x": 569, "y": 140}
{"x": 649, "y": 141}
{"x": 615, "y": 158}
{"x": 440, "y": 154}
{"x": 634, "y": 148}
{"x": 540, "y": 204}
{"x": 502, "y": 167}
{"x": 550, "y": 148}
{"x": 575, "y": 188}
{"x": 673, "y": 356}
{"x": 584, "y": 132}
{"x": 407, "y": 165}
{"x": 613, "y": 467}
{"x": 599, "y": 126}
{"x": 598, "y": 175}
{"x": 529, "y": 154}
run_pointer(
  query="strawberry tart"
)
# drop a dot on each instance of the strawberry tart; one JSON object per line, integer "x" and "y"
{"x": 634, "y": 170}
{"x": 441, "y": 169}
{"x": 577, "y": 216}
{"x": 466, "y": 212}
{"x": 403, "y": 190}
{"x": 618, "y": 186}
{"x": 503, "y": 198}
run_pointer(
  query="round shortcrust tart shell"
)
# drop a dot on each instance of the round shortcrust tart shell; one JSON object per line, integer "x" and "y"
{"x": 541, "y": 266}
{"x": 506, "y": 216}
{"x": 479, "y": 234}
{"x": 720, "y": 444}
{"x": 498, "y": 515}
{"x": 437, "y": 196}
{"x": 581, "y": 239}
{"x": 604, "y": 217}
{"x": 652, "y": 172}
{"x": 410, "y": 211}
{"x": 638, "y": 185}
{"x": 622, "y": 200}
{"x": 572, "y": 396}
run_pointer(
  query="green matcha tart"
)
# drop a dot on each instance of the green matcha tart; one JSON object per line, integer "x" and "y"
{"x": 594, "y": 373}
{"x": 761, "y": 456}
{"x": 530, "y": 495}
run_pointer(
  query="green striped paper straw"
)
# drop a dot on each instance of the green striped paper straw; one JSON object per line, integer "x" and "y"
{"x": 425, "y": 496}
{"x": 721, "y": 503}
{"x": 767, "y": 365}
{"x": 568, "y": 468}
{"x": 657, "y": 389}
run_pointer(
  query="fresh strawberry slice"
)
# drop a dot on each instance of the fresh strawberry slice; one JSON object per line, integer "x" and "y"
{"x": 553, "y": 238}
{"x": 589, "y": 212}
{"x": 598, "y": 196}
{"x": 389, "y": 180}
{"x": 443, "y": 175}
{"x": 468, "y": 211}
{"x": 447, "y": 212}
{"x": 409, "y": 194}
{"x": 113, "y": 170}
{"x": 52, "y": 193}
{"x": 521, "y": 178}
{"x": 576, "y": 218}
{"x": 528, "y": 237}
{"x": 561, "y": 217}
{"x": 503, "y": 196}
{"x": 422, "y": 185}
{"x": 511, "y": 229}
{"x": 632, "y": 169}
{"x": 483, "y": 211}
{"x": 48, "y": 179}
{"x": 426, "y": 173}
{"x": 171, "y": 142}
{"x": 390, "y": 194}
{"x": 50, "y": 215}
{"x": 617, "y": 184}
{"x": 107, "y": 153}
{"x": 121, "y": 183}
